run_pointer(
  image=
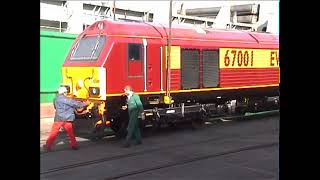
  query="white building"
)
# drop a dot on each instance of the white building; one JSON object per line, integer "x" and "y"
{"x": 74, "y": 16}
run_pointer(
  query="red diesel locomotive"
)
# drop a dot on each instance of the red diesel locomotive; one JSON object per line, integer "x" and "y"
{"x": 212, "y": 72}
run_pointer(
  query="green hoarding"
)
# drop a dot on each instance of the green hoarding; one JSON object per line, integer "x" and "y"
{"x": 54, "y": 47}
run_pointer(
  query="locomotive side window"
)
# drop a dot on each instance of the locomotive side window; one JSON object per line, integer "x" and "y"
{"x": 88, "y": 48}
{"x": 135, "y": 60}
{"x": 135, "y": 52}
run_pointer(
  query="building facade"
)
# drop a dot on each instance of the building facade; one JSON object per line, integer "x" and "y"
{"x": 75, "y": 16}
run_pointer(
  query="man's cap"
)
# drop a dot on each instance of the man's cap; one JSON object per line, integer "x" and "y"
{"x": 62, "y": 90}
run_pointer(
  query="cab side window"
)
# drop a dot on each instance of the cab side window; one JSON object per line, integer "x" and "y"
{"x": 135, "y": 52}
{"x": 135, "y": 60}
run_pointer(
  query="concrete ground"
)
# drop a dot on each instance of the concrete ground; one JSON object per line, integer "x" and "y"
{"x": 46, "y": 119}
{"x": 46, "y": 110}
{"x": 231, "y": 150}
{"x": 45, "y": 127}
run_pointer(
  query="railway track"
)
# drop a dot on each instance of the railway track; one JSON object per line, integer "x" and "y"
{"x": 195, "y": 159}
{"x": 119, "y": 157}
{"x": 209, "y": 122}
{"x": 166, "y": 165}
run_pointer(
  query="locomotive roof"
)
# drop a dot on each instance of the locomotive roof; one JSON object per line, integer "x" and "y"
{"x": 153, "y": 30}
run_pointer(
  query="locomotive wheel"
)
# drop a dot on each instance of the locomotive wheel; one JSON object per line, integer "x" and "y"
{"x": 97, "y": 134}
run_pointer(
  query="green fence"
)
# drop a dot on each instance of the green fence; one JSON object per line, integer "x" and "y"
{"x": 54, "y": 47}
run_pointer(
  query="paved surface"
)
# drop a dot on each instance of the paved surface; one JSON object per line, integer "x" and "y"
{"x": 46, "y": 119}
{"x": 246, "y": 149}
{"x": 45, "y": 126}
{"x": 46, "y": 110}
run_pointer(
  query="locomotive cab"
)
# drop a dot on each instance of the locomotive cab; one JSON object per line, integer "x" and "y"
{"x": 84, "y": 76}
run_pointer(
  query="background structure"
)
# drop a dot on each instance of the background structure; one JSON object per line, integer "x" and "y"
{"x": 62, "y": 21}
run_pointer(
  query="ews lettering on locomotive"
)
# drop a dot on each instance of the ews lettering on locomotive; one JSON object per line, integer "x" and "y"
{"x": 274, "y": 57}
{"x": 248, "y": 58}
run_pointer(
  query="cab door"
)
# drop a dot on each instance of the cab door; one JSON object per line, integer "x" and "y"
{"x": 135, "y": 66}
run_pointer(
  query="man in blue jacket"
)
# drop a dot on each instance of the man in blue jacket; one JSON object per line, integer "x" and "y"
{"x": 135, "y": 108}
{"x": 64, "y": 116}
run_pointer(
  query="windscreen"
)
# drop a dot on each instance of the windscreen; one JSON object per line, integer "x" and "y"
{"x": 88, "y": 48}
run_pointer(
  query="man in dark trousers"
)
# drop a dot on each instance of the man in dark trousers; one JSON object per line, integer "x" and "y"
{"x": 64, "y": 117}
{"x": 135, "y": 108}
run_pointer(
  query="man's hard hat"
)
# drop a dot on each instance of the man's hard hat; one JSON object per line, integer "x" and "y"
{"x": 62, "y": 90}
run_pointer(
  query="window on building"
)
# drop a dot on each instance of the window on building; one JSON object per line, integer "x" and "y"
{"x": 57, "y": 26}
{"x": 85, "y": 26}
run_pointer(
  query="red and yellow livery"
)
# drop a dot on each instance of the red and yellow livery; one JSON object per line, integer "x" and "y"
{"x": 211, "y": 71}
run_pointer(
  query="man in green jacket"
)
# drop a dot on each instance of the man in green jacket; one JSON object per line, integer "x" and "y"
{"x": 135, "y": 108}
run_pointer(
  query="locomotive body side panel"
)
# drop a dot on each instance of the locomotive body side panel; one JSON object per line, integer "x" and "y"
{"x": 248, "y": 67}
{"x": 124, "y": 66}
{"x": 185, "y": 38}
{"x": 208, "y": 70}
{"x": 153, "y": 65}
{"x": 175, "y": 67}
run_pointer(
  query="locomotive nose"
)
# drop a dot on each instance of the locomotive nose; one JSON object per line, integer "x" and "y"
{"x": 80, "y": 90}
{"x": 85, "y": 82}
{"x": 80, "y": 84}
